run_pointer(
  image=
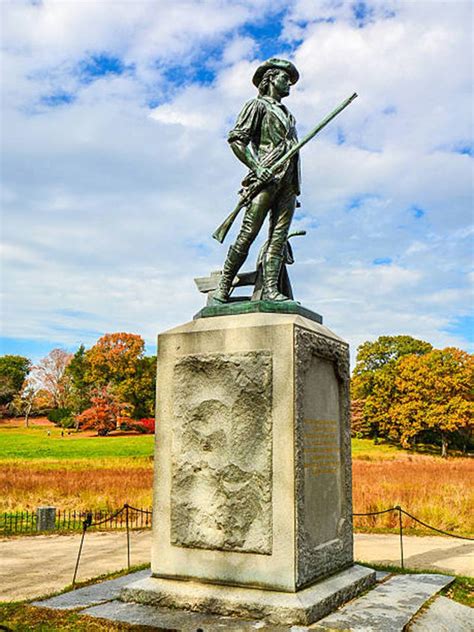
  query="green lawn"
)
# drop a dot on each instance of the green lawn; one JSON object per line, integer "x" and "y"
{"x": 367, "y": 449}
{"x": 35, "y": 444}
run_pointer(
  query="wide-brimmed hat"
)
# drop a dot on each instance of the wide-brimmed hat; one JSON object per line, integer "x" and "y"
{"x": 280, "y": 64}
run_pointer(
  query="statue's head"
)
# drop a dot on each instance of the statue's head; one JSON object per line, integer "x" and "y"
{"x": 277, "y": 72}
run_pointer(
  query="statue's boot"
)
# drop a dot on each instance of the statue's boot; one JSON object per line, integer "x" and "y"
{"x": 235, "y": 259}
{"x": 271, "y": 273}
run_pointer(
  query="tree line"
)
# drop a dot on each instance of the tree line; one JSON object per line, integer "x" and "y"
{"x": 103, "y": 387}
{"x": 403, "y": 390}
{"x": 407, "y": 392}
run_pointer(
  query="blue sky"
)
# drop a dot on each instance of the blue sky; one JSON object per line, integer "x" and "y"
{"x": 116, "y": 168}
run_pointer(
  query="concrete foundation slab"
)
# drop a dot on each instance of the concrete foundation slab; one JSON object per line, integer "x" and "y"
{"x": 444, "y": 615}
{"x": 303, "y": 607}
{"x": 167, "y": 619}
{"x": 387, "y": 608}
{"x": 91, "y": 595}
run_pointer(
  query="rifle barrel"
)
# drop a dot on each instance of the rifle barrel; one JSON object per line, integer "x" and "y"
{"x": 289, "y": 154}
{"x": 220, "y": 233}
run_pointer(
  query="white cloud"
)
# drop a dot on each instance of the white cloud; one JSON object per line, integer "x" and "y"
{"x": 109, "y": 205}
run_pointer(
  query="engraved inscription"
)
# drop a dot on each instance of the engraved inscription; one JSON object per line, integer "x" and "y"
{"x": 323, "y": 500}
{"x": 221, "y": 490}
{"x": 321, "y": 446}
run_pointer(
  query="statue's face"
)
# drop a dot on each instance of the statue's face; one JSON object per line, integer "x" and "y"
{"x": 282, "y": 83}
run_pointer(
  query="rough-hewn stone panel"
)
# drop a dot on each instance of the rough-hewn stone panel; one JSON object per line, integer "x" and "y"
{"x": 221, "y": 489}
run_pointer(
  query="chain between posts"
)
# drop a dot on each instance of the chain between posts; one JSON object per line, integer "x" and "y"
{"x": 400, "y": 526}
{"x": 127, "y": 508}
{"x": 402, "y": 511}
{"x": 88, "y": 523}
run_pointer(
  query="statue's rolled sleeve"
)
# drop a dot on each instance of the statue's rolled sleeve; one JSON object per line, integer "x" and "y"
{"x": 248, "y": 123}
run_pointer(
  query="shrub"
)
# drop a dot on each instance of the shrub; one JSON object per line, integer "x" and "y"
{"x": 68, "y": 422}
{"x": 145, "y": 426}
{"x": 6, "y": 411}
{"x": 60, "y": 416}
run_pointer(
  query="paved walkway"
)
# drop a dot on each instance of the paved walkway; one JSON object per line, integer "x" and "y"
{"x": 39, "y": 565}
{"x": 34, "y": 566}
{"x": 450, "y": 555}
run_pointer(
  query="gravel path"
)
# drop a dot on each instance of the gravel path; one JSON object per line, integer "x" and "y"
{"x": 34, "y": 566}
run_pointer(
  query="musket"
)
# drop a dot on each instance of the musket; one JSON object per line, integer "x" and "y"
{"x": 251, "y": 191}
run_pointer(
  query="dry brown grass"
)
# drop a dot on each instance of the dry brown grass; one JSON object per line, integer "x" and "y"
{"x": 74, "y": 486}
{"x": 438, "y": 492}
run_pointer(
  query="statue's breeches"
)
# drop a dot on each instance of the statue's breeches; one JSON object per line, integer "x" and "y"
{"x": 280, "y": 200}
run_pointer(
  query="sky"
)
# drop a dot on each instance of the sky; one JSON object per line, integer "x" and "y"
{"x": 116, "y": 170}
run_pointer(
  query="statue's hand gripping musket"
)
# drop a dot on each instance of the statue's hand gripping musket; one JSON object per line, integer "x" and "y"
{"x": 251, "y": 191}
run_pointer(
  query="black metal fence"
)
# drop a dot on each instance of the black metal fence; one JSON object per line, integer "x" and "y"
{"x": 17, "y": 522}
{"x": 13, "y": 523}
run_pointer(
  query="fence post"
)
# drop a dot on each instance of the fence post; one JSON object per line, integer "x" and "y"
{"x": 45, "y": 518}
{"x": 128, "y": 534}
{"x": 86, "y": 523}
{"x": 400, "y": 526}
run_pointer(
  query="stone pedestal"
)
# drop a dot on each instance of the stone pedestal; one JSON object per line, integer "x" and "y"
{"x": 253, "y": 466}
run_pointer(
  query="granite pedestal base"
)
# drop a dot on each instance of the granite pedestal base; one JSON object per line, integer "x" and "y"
{"x": 303, "y": 607}
{"x": 252, "y": 464}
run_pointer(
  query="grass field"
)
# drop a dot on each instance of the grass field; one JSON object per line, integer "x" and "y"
{"x": 434, "y": 490}
{"x": 74, "y": 471}
{"x": 81, "y": 472}
{"x": 34, "y": 444}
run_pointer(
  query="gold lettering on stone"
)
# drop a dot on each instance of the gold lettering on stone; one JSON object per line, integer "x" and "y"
{"x": 321, "y": 446}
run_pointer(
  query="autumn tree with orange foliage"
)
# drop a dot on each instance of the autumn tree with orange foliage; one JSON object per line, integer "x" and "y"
{"x": 104, "y": 414}
{"x": 408, "y": 392}
{"x": 373, "y": 381}
{"x": 434, "y": 396}
{"x": 113, "y": 358}
{"x": 117, "y": 361}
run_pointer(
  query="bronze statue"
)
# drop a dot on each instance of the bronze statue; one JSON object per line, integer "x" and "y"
{"x": 264, "y": 139}
{"x": 264, "y": 132}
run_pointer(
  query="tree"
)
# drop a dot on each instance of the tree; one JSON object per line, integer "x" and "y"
{"x": 434, "y": 394}
{"x": 140, "y": 391}
{"x": 105, "y": 413}
{"x": 13, "y": 372}
{"x": 373, "y": 356}
{"x": 50, "y": 374}
{"x": 114, "y": 358}
{"x": 359, "y": 426}
{"x": 374, "y": 378}
{"x": 77, "y": 371}
{"x": 23, "y": 402}
{"x": 118, "y": 362}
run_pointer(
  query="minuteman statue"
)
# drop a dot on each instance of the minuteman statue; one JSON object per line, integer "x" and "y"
{"x": 264, "y": 132}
